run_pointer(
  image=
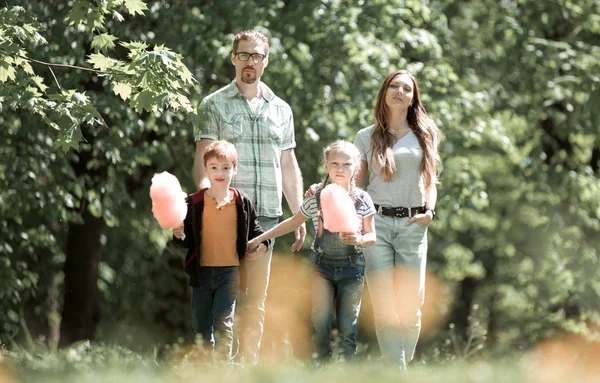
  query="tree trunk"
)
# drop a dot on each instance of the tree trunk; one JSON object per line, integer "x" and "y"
{"x": 177, "y": 294}
{"x": 45, "y": 322}
{"x": 463, "y": 306}
{"x": 81, "y": 308}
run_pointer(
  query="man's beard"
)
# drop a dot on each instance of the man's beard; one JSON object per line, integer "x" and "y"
{"x": 249, "y": 77}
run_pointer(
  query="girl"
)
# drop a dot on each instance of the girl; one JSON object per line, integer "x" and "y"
{"x": 337, "y": 258}
{"x": 400, "y": 151}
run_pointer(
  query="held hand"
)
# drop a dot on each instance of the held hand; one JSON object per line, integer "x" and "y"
{"x": 253, "y": 255}
{"x": 311, "y": 190}
{"x": 178, "y": 231}
{"x": 423, "y": 219}
{"x": 300, "y": 236}
{"x": 354, "y": 239}
{"x": 252, "y": 245}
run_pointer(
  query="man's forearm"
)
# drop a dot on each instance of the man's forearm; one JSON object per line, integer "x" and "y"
{"x": 200, "y": 179}
{"x": 292, "y": 180}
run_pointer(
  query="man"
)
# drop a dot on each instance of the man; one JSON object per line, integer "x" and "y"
{"x": 261, "y": 126}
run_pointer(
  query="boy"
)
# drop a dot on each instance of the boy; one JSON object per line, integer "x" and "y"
{"x": 219, "y": 223}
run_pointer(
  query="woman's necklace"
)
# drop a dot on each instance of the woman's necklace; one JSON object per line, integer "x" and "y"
{"x": 399, "y": 134}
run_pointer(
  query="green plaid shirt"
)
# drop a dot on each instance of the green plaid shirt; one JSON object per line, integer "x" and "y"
{"x": 259, "y": 139}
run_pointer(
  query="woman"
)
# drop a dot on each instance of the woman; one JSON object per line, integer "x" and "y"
{"x": 400, "y": 154}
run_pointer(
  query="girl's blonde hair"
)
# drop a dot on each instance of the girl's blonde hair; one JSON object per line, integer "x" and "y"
{"x": 345, "y": 147}
{"x": 420, "y": 123}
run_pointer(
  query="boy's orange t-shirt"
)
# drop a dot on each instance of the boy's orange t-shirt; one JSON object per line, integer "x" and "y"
{"x": 219, "y": 234}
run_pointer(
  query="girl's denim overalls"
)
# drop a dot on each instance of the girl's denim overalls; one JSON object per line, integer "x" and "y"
{"x": 338, "y": 278}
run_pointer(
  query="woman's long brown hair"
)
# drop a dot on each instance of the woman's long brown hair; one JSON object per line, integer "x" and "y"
{"x": 422, "y": 125}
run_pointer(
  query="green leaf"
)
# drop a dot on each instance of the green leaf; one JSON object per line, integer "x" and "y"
{"x": 27, "y": 68}
{"x": 51, "y": 123}
{"x": 77, "y": 14}
{"x": 123, "y": 90}
{"x": 30, "y": 29}
{"x": 118, "y": 16}
{"x": 6, "y": 72}
{"x": 144, "y": 82}
{"x": 135, "y": 6}
{"x": 143, "y": 101}
{"x": 135, "y": 48}
{"x": 100, "y": 62}
{"x": 185, "y": 74}
{"x": 37, "y": 80}
{"x": 95, "y": 20}
{"x": 103, "y": 42}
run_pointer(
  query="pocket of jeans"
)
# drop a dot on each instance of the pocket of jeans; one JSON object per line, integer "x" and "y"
{"x": 359, "y": 261}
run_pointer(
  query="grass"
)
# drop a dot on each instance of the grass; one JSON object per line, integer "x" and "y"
{"x": 116, "y": 365}
{"x": 87, "y": 362}
{"x": 286, "y": 353}
{"x": 561, "y": 360}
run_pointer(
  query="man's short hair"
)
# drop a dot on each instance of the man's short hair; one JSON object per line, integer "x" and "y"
{"x": 222, "y": 150}
{"x": 250, "y": 35}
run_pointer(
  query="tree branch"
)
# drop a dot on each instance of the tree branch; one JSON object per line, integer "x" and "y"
{"x": 55, "y": 79}
{"x": 70, "y": 66}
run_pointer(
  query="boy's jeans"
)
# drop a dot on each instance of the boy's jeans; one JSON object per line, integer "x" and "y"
{"x": 338, "y": 278}
{"x": 396, "y": 278}
{"x": 213, "y": 306}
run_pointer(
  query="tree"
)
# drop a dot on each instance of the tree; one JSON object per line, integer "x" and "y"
{"x": 84, "y": 186}
{"x": 533, "y": 245}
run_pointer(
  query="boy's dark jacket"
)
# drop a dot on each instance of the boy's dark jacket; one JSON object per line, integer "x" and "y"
{"x": 247, "y": 229}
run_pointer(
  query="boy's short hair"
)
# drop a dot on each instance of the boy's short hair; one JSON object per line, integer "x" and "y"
{"x": 222, "y": 150}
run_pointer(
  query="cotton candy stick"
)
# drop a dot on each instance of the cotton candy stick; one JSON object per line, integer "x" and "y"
{"x": 168, "y": 200}
{"x": 339, "y": 213}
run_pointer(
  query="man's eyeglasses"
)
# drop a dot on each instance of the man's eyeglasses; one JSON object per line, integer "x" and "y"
{"x": 245, "y": 56}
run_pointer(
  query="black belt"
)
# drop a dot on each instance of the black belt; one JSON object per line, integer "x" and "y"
{"x": 400, "y": 212}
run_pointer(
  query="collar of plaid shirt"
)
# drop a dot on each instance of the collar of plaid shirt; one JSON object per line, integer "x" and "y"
{"x": 234, "y": 91}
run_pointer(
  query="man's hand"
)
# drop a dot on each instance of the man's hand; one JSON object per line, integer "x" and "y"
{"x": 253, "y": 244}
{"x": 200, "y": 178}
{"x": 255, "y": 253}
{"x": 311, "y": 190}
{"x": 300, "y": 236}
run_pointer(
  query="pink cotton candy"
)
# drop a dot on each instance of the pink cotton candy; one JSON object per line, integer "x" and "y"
{"x": 339, "y": 214}
{"x": 168, "y": 200}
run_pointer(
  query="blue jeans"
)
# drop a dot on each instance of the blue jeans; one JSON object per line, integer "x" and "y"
{"x": 213, "y": 306}
{"x": 252, "y": 301}
{"x": 337, "y": 278}
{"x": 396, "y": 278}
